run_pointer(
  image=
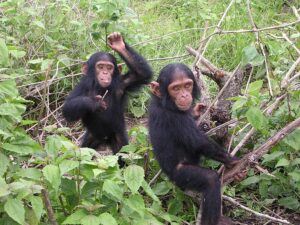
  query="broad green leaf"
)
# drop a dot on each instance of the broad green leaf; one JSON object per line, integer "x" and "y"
{"x": 162, "y": 188}
{"x": 256, "y": 118}
{"x": 15, "y": 209}
{"x": 255, "y": 87}
{"x": 53, "y": 145}
{"x": 4, "y": 190}
{"x": 4, "y": 60}
{"x": 90, "y": 220}
{"x": 8, "y": 88}
{"x": 293, "y": 139}
{"x": 17, "y": 54}
{"x": 37, "y": 206}
{"x": 134, "y": 176}
{"x": 107, "y": 219}
{"x": 52, "y": 174}
{"x": 4, "y": 162}
{"x": 12, "y": 109}
{"x": 282, "y": 162}
{"x": 129, "y": 148}
{"x": 136, "y": 204}
{"x": 289, "y": 202}
{"x": 39, "y": 24}
{"x": 23, "y": 144}
{"x": 149, "y": 191}
{"x": 250, "y": 180}
{"x": 137, "y": 111}
{"x": 46, "y": 64}
{"x": 239, "y": 103}
{"x": 67, "y": 165}
{"x": 35, "y": 61}
{"x": 76, "y": 217}
{"x": 113, "y": 189}
{"x": 250, "y": 55}
{"x": 31, "y": 173}
{"x": 295, "y": 175}
{"x": 272, "y": 156}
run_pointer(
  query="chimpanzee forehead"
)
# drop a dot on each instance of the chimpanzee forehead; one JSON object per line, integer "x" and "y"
{"x": 104, "y": 62}
{"x": 179, "y": 74}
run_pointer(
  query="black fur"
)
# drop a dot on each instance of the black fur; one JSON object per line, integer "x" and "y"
{"x": 106, "y": 126}
{"x": 178, "y": 145}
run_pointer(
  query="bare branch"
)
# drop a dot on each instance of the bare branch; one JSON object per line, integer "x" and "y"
{"x": 233, "y": 201}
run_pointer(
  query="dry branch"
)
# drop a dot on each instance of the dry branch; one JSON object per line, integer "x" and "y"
{"x": 259, "y": 152}
{"x": 48, "y": 207}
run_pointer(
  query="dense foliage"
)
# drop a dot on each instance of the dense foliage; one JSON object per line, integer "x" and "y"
{"x": 43, "y": 43}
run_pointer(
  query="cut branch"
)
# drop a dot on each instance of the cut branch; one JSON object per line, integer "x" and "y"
{"x": 259, "y": 152}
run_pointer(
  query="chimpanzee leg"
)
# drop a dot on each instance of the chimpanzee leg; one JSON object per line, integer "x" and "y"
{"x": 203, "y": 180}
{"x": 118, "y": 141}
{"x": 89, "y": 141}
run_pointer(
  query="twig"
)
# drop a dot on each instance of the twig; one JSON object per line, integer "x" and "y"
{"x": 155, "y": 177}
{"x": 48, "y": 207}
{"x": 291, "y": 43}
{"x": 233, "y": 201}
{"x": 296, "y": 12}
{"x": 285, "y": 80}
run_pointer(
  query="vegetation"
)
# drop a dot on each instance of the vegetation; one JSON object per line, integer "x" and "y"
{"x": 47, "y": 179}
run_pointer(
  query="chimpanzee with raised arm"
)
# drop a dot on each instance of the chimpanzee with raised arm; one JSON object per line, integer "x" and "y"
{"x": 99, "y": 99}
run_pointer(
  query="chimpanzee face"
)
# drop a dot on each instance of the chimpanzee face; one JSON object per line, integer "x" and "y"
{"x": 180, "y": 90}
{"x": 104, "y": 71}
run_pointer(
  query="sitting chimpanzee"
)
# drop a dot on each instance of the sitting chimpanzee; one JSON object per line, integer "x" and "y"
{"x": 178, "y": 144}
{"x": 99, "y": 99}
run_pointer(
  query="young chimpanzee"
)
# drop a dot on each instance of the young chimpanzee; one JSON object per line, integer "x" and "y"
{"x": 99, "y": 99}
{"x": 177, "y": 142}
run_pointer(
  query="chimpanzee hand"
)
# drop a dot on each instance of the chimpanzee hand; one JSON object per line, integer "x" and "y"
{"x": 198, "y": 110}
{"x": 116, "y": 41}
{"x": 234, "y": 162}
{"x": 102, "y": 104}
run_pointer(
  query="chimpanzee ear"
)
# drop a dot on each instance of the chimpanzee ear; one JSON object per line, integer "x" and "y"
{"x": 155, "y": 88}
{"x": 120, "y": 68}
{"x": 84, "y": 68}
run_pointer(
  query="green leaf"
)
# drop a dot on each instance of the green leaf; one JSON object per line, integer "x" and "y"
{"x": 12, "y": 109}
{"x": 255, "y": 87}
{"x": 137, "y": 111}
{"x": 52, "y": 174}
{"x": 4, "y": 162}
{"x": 15, "y": 209}
{"x": 272, "y": 156}
{"x": 295, "y": 175}
{"x": 134, "y": 176}
{"x": 4, "y": 60}
{"x": 250, "y": 180}
{"x": 136, "y": 204}
{"x": 293, "y": 139}
{"x": 67, "y": 165}
{"x": 53, "y": 145}
{"x": 149, "y": 191}
{"x": 107, "y": 219}
{"x": 46, "y": 64}
{"x": 39, "y": 24}
{"x": 256, "y": 118}
{"x": 76, "y": 217}
{"x": 113, "y": 189}
{"x": 17, "y": 54}
{"x": 23, "y": 144}
{"x": 162, "y": 188}
{"x": 90, "y": 220}
{"x": 4, "y": 189}
{"x": 37, "y": 206}
{"x": 289, "y": 202}
{"x": 31, "y": 173}
{"x": 282, "y": 162}
{"x": 8, "y": 88}
{"x": 35, "y": 61}
{"x": 250, "y": 55}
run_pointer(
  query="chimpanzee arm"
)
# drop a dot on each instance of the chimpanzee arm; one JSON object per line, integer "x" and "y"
{"x": 212, "y": 150}
{"x": 78, "y": 104}
{"x": 139, "y": 72}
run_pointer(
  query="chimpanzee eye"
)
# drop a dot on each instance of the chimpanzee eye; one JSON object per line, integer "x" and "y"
{"x": 176, "y": 88}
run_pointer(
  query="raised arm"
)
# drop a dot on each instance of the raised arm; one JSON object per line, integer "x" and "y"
{"x": 139, "y": 72}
